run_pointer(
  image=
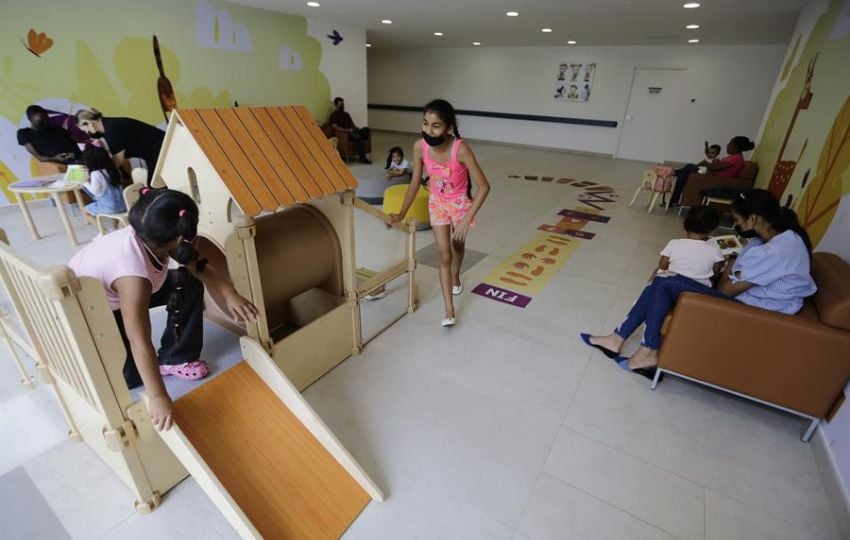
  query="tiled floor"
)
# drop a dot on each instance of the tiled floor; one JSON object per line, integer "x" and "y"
{"x": 503, "y": 427}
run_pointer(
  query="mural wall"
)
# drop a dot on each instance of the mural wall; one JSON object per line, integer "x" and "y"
{"x": 100, "y": 53}
{"x": 804, "y": 148}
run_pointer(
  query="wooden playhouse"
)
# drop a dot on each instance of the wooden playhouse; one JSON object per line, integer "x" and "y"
{"x": 277, "y": 210}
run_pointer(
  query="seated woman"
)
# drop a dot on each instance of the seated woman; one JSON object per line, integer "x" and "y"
{"x": 730, "y": 166}
{"x": 132, "y": 265}
{"x": 772, "y": 272}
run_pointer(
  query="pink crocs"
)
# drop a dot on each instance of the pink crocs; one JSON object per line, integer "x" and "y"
{"x": 190, "y": 371}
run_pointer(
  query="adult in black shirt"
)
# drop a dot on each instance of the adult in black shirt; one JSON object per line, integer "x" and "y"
{"x": 126, "y": 138}
{"x": 48, "y": 142}
{"x": 342, "y": 121}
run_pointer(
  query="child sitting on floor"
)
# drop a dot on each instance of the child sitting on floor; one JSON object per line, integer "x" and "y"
{"x": 694, "y": 256}
{"x": 104, "y": 183}
{"x": 396, "y": 164}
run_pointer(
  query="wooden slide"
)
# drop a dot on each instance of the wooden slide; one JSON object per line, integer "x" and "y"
{"x": 264, "y": 457}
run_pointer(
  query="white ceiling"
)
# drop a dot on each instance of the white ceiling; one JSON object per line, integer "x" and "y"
{"x": 589, "y": 22}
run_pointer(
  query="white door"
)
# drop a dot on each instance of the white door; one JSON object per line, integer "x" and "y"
{"x": 650, "y": 114}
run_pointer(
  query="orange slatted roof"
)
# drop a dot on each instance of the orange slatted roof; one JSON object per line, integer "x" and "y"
{"x": 268, "y": 157}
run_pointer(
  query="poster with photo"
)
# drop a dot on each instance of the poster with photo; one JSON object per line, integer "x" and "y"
{"x": 574, "y": 82}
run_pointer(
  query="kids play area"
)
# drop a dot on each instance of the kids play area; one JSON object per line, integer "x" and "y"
{"x": 448, "y": 270}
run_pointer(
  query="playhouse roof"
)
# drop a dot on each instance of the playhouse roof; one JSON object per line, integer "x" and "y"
{"x": 268, "y": 157}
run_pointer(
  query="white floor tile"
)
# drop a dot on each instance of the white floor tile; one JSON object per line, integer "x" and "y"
{"x": 558, "y": 511}
{"x": 727, "y": 519}
{"x": 667, "y": 501}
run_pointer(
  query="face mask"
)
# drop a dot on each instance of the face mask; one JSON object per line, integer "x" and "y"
{"x": 434, "y": 141}
{"x": 745, "y": 234}
{"x": 97, "y": 135}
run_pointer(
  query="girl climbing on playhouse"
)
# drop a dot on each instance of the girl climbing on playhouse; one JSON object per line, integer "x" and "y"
{"x": 449, "y": 163}
{"x": 132, "y": 265}
{"x": 104, "y": 183}
{"x": 396, "y": 164}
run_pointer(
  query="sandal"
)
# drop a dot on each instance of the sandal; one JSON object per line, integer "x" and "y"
{"x": 188, "y": 371}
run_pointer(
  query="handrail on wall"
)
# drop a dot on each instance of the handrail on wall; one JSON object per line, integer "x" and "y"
{"x": 508, "y": 116}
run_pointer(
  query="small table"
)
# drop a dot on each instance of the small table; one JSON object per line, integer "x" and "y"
{"x": 48, "y": 187}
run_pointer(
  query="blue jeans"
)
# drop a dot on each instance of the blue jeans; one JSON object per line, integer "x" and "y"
{"x": 655, "y": 302}
{"x": 682, "y": 179}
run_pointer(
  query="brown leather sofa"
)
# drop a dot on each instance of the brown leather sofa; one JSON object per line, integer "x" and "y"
{"x": 347, "y": 149}
{"x": 799, "y": 363}
{"x": 698, "y": 182}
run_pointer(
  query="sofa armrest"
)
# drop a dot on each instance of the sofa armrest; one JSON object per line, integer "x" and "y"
{"x": 788, "y": 360}
{"x": 698, "y": 182}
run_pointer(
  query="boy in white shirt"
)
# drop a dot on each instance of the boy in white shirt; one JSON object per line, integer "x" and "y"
{"x": 694, "y": 256}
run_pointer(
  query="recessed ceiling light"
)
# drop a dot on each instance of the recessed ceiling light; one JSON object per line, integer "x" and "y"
{"x": 313, "y": 4}
{"x": 692, "y": 27}
{"x": 546, "y": 30}
{"x": 368, "y": 44}
{"x": 512, "y": 13}
{"x": 691, "y": 5}
{"x": 476, "y": 43}
{"x": 386, "y": 21}
{"x": 438, "y": 34}
{"x": 693, "y": 41}
{"x": 571, "y": 42}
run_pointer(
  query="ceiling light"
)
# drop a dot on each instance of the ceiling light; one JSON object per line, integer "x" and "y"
{"x": 546, "y": 30}
{"x": 692, "y": 27}
{"x": 691, "y": 5}
{"x": 368, "y": 44}
{"x": 693, "y": 41}
{"x": 476, "y": 43}
{"x": 438, "y": 34}
{"x": 386, "y": 21}
{"x": 313, "y": 4}
{"x": 512, "y": 13}
{"x": 571, "y": 42}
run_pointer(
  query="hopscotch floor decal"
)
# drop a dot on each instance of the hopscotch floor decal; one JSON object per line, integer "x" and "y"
{"x": 530, "y": 268}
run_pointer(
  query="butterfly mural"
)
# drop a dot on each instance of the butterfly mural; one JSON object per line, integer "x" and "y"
{"x": 37, "y": 42}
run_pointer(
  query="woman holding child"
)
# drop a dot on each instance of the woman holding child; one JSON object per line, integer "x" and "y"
{"x": 772, "y": 272}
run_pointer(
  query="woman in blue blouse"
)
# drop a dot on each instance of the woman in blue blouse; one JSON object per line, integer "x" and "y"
{"x": 772, "y": 272}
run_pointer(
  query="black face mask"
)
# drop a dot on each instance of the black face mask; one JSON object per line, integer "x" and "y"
{"x": 745, "y": 234}
{"x": 434, "y": 141}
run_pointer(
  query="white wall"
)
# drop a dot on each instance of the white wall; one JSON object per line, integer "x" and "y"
{"x": 731, "y": 86}
{"x": 344, "y": 65}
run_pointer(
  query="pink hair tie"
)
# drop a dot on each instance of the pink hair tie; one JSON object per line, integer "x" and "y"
{"x": 145, "y": 191}
{"x": 182, "y": 213}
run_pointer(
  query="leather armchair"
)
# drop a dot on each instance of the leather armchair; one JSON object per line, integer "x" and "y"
{"x": 800, "y": 363}
{"x": 698, "y": 182}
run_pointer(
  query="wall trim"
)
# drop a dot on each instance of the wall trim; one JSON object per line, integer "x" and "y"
{"x": 839, "y": 499}
{"x": 514, "y": 145}
{"x": 508, "y": 116}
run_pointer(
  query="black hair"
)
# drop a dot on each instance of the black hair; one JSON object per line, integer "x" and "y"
{"x": 446, "y": 112}
{"x": 761, "y": 202}
{"x": 701, "y": 220}
{"x": 35, "y": 109}
{"x": 159, "y": 217}
{"x": 337, "y": 100}
{"x": 393, "y": 150}
{"x": 744, "y": 144}
{"x": 98, "y": 159}
{"x": 716, "y": 148}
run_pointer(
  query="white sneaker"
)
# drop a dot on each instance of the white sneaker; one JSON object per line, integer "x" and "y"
{"x": 448, "y": 321}
{"x": 457, "y": 289}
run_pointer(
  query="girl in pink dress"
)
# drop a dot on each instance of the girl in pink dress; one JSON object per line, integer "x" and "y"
{"x": 449, "y": 164}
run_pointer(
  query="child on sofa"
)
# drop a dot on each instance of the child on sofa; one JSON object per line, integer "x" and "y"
{"x": 712, "y": 155}
{"x": 693, "y": 256}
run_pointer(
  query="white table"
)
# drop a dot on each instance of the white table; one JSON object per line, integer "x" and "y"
{"x": 48, "y": 187}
